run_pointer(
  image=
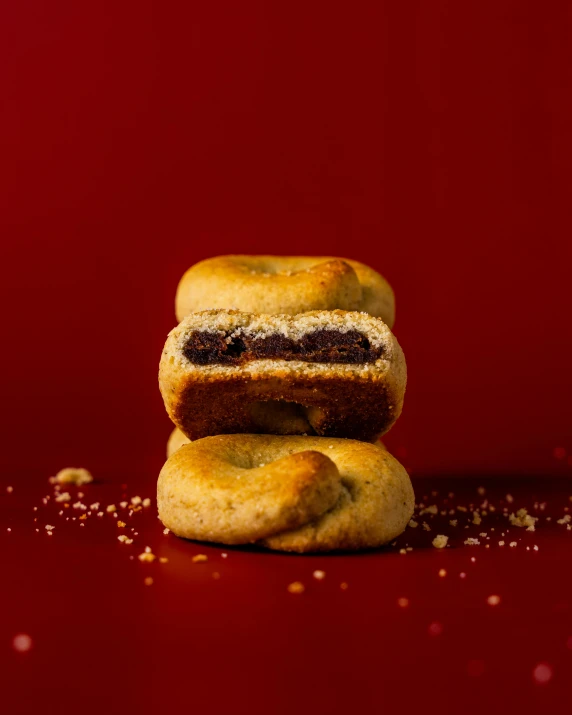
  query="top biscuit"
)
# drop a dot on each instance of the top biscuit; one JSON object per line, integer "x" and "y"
{"x": 285, "y": 285}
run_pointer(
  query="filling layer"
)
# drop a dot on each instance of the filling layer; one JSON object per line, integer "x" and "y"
{"x": 330, "y": 346}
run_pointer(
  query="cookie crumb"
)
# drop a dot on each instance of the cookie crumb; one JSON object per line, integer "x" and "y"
{"x": 512, "y": 544}
{"x": 22, "y": 643}
{"x": 110, "y": 508}
{"x": 63, "y": 497}
{"x": 494, "y": 600}
{"x": 136, "y": 501}
{"x": 9, "y": 490}
{"x": 344, "y": 586}
{"x": 442, "y": 573}
{"x": 403, "y": 602}
{"x": 223, "y": 556}
{"x": 147, "y": 556}
{"x": 216, "y": 575}
{"x": 123, "y": 504}
{"x": 199, "y": 558}
{"x": 542, "y": 673}
{"x": 453, "y": 522}
{"x": 146, "y": 502}
{"x": 124, "y": 539}
{"x": 72, "y": 475}
{"x": 435, "y": 628}
{"x": 472, "y": 542}
{"x": 166, "y": 531}
{"x": 319, "y": 575}
{"x": 296, "y": 587}
{"x": 413, "y": 524}
{"x": 440, "y": 541}
{"x": 163, "y": 560}
{"x": 148, "y": 581}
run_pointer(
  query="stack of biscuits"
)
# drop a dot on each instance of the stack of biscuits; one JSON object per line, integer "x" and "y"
{"x": 280, "y": 378}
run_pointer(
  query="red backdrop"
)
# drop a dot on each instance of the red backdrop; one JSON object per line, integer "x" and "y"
{"x": 431, "y": 140}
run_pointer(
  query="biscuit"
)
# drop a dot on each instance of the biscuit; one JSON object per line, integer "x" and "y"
{"x": 328, "y": 373}
{"x": 176, "y": 439}
{"x": 335, "y": 494}
{"x": 284, "y": 285}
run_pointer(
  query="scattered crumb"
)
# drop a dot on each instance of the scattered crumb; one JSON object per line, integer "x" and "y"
{"x": 120, "y": 524}
{"x": 426, "y": 526}
{"x": 523, "y": 518}
{"x": 473, "y": 559}
{"x": 462, "y": 575}
{"x": 9, "y": 490}
{"x": 148, "y": 581}
{"x": 535, "y": 547}
{"x": 472, "y": 542}
{"x": 453, "y": 522}
{"x": 413, "y": 524}
{"x": 72, "y": 475}
{"x": 83, "y": 517}
{"x": 476, "y": 518}
{"x": 509, "y": 498}
{"x": 199, "y": 558}
{"x": 462, "y": 508}
{"x": 166, "y": 531}
{"x": 440, "y": 541}
{"x": 481, "y": 491}
{"x": 146, "y": 502}
{"x": 99, "y": 513}
{"x": 501, "y": 543}
{"x": 344, "y": 586}
{"x": 79, "y": 505}
{"x": 295, "y": 587}
{"x": 123, "y": 504}
{"x": 49, "y": 527}
{"x": 163, "y": 560}
{"x": 512, "y": 544}
{"x": 429, "y": 510}
{"x": 542, "y": 673}
{"x": 110, "y": 508}
{"x": 403, "y": 602}
{"x": 136, "y": 501}
{"x": 402, "y": 551}
{"x": 147, "y": 556}
{"x": 442, "y": 573}
{"x": 22, "y": 643}
{"x": 319, "y": 575}
{"x": 565, "y": 519}
{"x": 493, "y": 600}
{"x": 224, "y": 556}
{"x": 435, "y": 629}
{"x": 124, "y": 539}
{"x": 94, "y": 506}
{"x": 63, "y": 497}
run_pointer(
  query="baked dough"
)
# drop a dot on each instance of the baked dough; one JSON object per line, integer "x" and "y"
{"x": 176, "y": 439}
{"x": 284, "y": 285}
{"x": 328, "y": 373}
{"x": 301, "y": 494}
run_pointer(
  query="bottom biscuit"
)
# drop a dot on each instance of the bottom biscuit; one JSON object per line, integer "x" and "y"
{"x": 299, "y": 494}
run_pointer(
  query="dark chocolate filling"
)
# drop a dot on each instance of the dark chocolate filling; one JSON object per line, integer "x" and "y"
{"x": 331, "y": 346}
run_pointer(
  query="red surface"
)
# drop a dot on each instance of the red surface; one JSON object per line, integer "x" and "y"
{"x": 105, "y": 642}
{"x": 431, "y": 140}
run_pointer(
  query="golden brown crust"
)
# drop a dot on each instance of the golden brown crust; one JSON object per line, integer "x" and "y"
{"x": 176, "y": 440}
{"x": 335, "y": 494}
{"x": 284, "y": 285}
{"x": 358, "y": 402}
{"x": 222, "y": 489}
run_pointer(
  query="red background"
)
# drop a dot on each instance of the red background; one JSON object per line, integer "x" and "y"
{"x": 431, "y": 140}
